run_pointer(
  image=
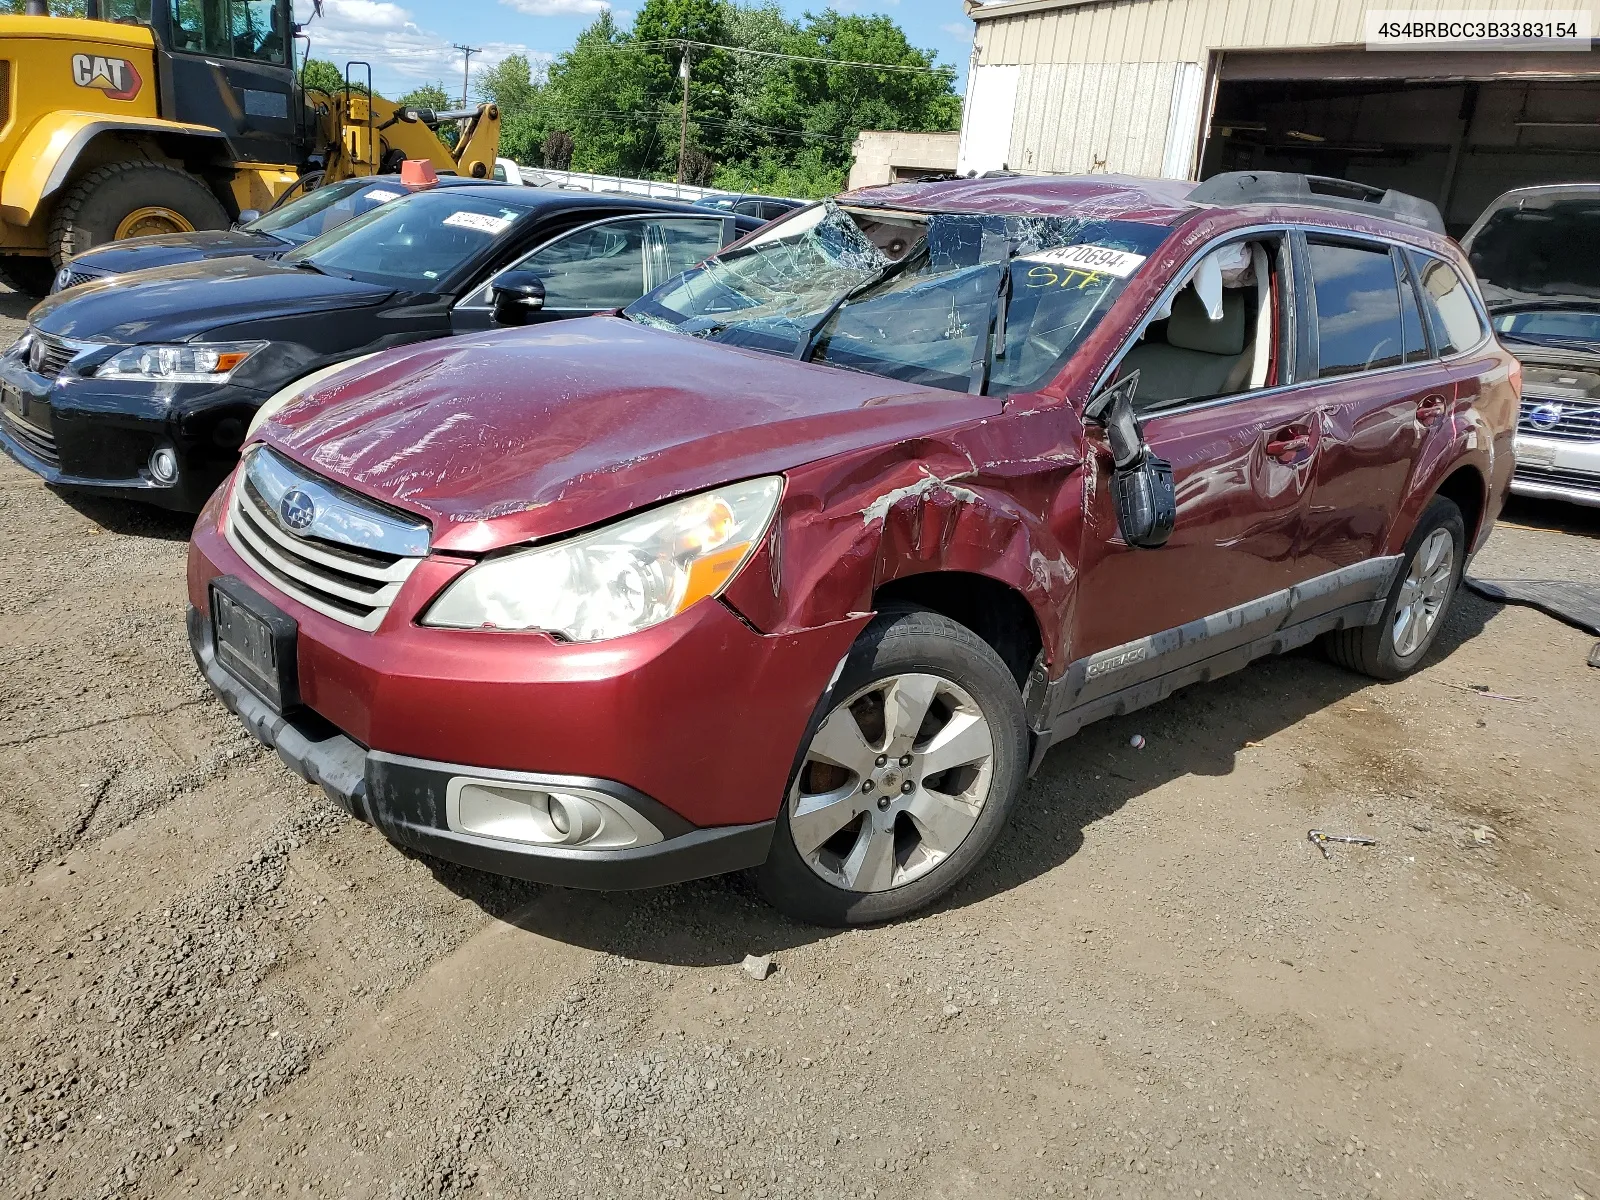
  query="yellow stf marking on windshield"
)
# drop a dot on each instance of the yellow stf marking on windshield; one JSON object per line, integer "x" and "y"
{"x": 1043, "y": 276}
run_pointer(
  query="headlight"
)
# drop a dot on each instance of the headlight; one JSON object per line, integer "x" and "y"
{"x": 19, "y": 348}
{"x": 628, "y": 576}
{"x": 207, "y": 362}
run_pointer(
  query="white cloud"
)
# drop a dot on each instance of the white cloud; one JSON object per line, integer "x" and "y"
{"x": 558, "y": 8}
{"x": 402, "y": 53}
{"x": 365, "y": 14}
{"x": 960, "y": 30}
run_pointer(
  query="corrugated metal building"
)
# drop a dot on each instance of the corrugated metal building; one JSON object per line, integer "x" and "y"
{"x": 1187, "y": 88}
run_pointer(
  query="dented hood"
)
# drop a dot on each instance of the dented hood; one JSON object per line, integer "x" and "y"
{"x": 522, "y": 434}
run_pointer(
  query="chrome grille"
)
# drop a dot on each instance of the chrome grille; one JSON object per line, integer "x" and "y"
{"x": 37, "y": 442}
{"x": 350, "y": 560}
{"x": 57, "y": 353}
{"x": 1573, "y": 420}
{"x": 1560, "y": 475}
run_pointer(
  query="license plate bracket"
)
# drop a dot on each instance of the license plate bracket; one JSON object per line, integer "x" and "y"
{"x": 255, "y": 642}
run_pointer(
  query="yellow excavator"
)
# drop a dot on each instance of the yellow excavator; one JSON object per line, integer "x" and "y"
{"x": 166, "y": 116}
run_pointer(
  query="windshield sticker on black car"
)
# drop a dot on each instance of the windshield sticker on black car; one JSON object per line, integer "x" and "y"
{"x": 382, "y": 196}
{"x": 481, "y": 222}
{"x": 1093, "y": 259}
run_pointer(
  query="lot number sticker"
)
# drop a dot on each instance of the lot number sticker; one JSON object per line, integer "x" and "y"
{"x": 381, "y": 196}
{"x": 482, "y": 222}
{"x": 1098, "y": 260}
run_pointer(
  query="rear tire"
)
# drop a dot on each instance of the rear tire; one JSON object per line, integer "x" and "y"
{"x": 1418, "y": 602}
{"x": 97, "y": 206}
{"x": 938, "y": 707}
{"x": 26, "y": 274}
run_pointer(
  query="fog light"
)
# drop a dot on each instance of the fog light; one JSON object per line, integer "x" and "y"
{"x": 164, "y": 465}
{"x": 545, "y": 815}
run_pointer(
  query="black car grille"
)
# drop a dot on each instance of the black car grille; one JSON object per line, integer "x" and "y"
{"x": 34, "y": 440}
{"x": 74, "y": 278}
{"x": 1574, "y": 420}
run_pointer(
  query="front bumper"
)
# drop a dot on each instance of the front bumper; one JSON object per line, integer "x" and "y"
{"x": 1557, "y": 469}
{"x": 86, "y": 434}
{"x": 405, "y": 799}
{"x": 702, "y": 714}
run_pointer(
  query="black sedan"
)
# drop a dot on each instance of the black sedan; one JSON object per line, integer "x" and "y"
{"x": 287, "y": 225}
{"x": 142, "y": 386}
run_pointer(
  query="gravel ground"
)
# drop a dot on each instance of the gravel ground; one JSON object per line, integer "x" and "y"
{"x": 213, "y": 983}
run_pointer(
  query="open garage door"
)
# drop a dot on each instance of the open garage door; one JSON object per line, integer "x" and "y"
{"x": 1457, "y": 129}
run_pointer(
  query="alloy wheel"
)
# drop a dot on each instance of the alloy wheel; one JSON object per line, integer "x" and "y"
{"x": 1424, "y": 592}
{"x": 892, "y": 783}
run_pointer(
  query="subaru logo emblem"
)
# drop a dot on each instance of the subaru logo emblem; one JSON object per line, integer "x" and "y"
{"x": 1546, "y": 416}
{"x": 297, "y": 510}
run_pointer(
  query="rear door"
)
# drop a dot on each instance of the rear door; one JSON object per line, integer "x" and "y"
{"x": 1380, "y": 390}
{"x": 604, "y": 265}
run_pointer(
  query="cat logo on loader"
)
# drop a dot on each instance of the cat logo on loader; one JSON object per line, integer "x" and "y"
{"x": 116, "y": 77}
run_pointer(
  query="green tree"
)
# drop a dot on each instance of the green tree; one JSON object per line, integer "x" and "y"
{"x": 427, "y": 95}
{"x": 322, "y": 76}
{"x": 510, "y": 84}
{"x": 782, "y": 125}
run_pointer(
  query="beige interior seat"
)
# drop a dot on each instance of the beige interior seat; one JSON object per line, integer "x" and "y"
{"x": 1200, "y": 357}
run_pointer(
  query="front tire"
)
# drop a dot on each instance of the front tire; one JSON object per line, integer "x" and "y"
{"x": 1430, "y": 574}
{"x": 131, "y": 199}
{"x": 910, "y": 769}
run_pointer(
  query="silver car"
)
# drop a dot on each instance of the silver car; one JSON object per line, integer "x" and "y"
{"x": 1537, "y": 253}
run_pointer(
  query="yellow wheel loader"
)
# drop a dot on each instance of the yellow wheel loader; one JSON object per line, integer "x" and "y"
{"x": 165, "y": 116}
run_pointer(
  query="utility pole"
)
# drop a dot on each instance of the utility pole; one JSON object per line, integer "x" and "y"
{"x": 466, "y": 68}
{"x": 683, "y": 137}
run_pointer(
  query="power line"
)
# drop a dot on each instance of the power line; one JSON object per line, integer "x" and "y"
{"x": 680, "y": 43}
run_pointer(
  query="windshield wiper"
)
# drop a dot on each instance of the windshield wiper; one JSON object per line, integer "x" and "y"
{"x": 1554, "y": 341}
{"x": 305, "y": 264}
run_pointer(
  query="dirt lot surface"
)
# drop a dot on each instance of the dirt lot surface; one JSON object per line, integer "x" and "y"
{"x": 213, "y": 983}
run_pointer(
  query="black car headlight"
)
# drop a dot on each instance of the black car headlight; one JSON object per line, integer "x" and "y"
{"x": 207, "y": 362}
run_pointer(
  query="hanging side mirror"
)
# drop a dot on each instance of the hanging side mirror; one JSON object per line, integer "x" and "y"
{"x": 1147, "y": 501}
{"x": 246, "y": 215}
{"x": 517, "y": 296}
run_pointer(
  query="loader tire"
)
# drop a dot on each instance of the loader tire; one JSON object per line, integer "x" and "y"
{"x": 131, "y": 199}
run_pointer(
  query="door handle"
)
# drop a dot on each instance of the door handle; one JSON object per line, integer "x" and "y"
{"x": 1430, "y": 409}
{"x": 1289, "y": 446}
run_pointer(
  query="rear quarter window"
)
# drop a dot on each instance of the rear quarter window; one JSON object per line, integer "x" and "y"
{"x": 1451, "y": 311}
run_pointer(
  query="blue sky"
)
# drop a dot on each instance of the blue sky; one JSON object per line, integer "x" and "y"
{"x": 408, "y": 41}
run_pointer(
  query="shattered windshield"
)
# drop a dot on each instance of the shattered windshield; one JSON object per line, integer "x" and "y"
{"x": 970, "y": 302}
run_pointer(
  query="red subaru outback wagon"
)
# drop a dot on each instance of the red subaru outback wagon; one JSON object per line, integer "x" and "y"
{"x": 802, "y": 562}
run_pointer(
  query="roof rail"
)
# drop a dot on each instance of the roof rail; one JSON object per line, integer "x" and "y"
{"x": 1318, "y": 191}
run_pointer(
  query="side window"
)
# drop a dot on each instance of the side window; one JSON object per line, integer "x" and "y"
{"x": 748, "y": 208}
{"x": 599, "y": 267}
{"x": 229, "y": 28}
{"x": 687, "y": 242}
{"x": 1454, "y": 317}
{"x": 1358, "y": 309}
{"x": 1221, "y": 334}
{"x": 1416, "y": 343}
